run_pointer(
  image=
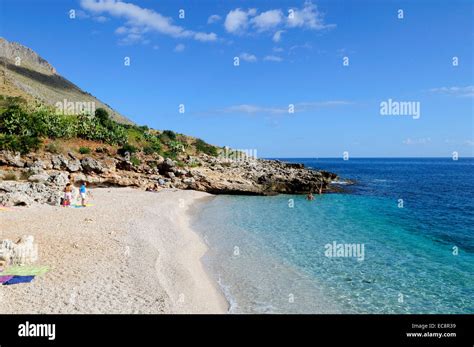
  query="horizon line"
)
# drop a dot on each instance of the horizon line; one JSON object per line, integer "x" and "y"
{"x": 448, "y": 157}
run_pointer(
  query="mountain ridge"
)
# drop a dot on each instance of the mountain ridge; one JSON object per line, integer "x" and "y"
{"x": 25, "y": 74}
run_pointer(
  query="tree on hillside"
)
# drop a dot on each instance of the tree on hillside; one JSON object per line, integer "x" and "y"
{"x": 102, "y": 115}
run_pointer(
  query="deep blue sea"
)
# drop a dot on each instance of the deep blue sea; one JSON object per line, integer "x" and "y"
{"x": 413, "y": 219}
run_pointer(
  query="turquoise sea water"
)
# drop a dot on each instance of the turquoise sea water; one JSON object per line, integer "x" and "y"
{"x": 268, "y": 253}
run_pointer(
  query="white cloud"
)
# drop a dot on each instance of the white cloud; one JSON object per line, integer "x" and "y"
{"x": 179, "y": 47}
{"x": 240, "y": 21}
{"x": 254, "y": 109}
{"x": 100, "y": 19}
{"x": 307, "y": 17}
{"x": 267, "y": 20}
{"x": 213, "y": 19}
{"x": 121, "y": 30}
{"x": 250, "y": 58}
{"x": 281, "y": 110}
{"x": 131, "y": 35}
{"x": 467, "y": 91}
{"x": 293, "y": 49}
{"x": 469, "y": 143}
{"x": 131, "y": 39}
{"x": 273, "y": 58}
{"x": 143, "y": 18}
{"x": 277, "y": 36}
{"x": 203, "y": 37}
{"x": 237, "y": 20}
{"x": 81, "y": 14}
{"x": 420, "y": 141}
{"x": 278, "y": 49}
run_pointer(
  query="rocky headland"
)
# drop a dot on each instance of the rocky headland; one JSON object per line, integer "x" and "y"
{"x": 40, "y": 177}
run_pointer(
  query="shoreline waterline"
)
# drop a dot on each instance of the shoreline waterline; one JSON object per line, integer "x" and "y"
{"x": 268, "y": 251}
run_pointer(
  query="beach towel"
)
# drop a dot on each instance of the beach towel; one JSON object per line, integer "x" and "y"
{"x": 19, "y": 279}
{"x": 4, "y": 279}
{"x": 27, "y": 270}
{"x": 79, "y": 206}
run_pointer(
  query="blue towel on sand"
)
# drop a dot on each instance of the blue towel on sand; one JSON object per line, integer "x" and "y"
{"x": 19, "y": 279}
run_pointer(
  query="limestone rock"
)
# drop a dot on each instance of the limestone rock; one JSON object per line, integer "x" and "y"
{"x": 74, "y": 165}
{"x": 39, "y": 178}
{"x": 59, "y": 179}
{"x": 91, "y": 165}
{"x": 27, "y": 193}
{"x": 11, "y": 159}
{"x": 166, "y": 166}
{"x": 59, "y": 162}
{"x": 36, "y": 167}
{"x": 22, "y": 252}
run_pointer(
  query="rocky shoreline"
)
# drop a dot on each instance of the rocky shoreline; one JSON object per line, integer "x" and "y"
{"x": 40, "y": 177}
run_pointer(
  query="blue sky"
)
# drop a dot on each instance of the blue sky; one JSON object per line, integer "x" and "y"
{"x": 286, "y": 58}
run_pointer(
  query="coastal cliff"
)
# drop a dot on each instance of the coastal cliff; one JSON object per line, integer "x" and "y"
{"x": 40, "y": 177}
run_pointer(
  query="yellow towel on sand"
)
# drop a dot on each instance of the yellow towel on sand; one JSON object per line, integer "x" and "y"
{"x": 27, "y": 270}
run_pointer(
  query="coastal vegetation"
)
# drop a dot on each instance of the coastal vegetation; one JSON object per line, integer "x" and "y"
{"x": 24, "y": 128}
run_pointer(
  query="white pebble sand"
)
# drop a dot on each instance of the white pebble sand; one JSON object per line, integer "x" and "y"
{"x": 131, "y": 252}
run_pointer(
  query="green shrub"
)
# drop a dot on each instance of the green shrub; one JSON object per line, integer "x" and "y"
{"x": 10, "y": 176}
{"x": 170, "y": 154}
{"x": 135, "y": 161}
{"x": 43, "y": 122}
{"x": 193, "y": 164}
{"x": 22, "y": 144}
{"x": 206, "y": 148}
{"x": 154, "y": 146}
{"x": 52, "y": 148}
{"x": 102, "y": 150}
{"x": 127, "y": 148}
{"x": 166, "y": 136}
{"x": 170, "y": 134}
{"x": 84, "y": 150}
{"x": 26, "y": 174}
{"x": 176, "y": 147}
{"x": 15, "y": 121}
{"x": 91, "y": 129}
{"x": 102, "y": 116}
{"x": 144, "y": 128}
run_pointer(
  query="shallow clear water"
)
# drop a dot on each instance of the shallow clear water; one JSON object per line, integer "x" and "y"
{"x": 268, "y": 253}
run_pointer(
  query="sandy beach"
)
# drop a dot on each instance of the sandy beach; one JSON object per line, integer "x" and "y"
{"x": 130, "y": 252}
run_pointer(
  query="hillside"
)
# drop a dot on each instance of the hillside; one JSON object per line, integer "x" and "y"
{"x": 23, "y": 73}
{"x": 41, "y": 149}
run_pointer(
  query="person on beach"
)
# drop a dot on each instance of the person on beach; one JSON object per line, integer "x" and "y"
{"x": 310, "y": 196}
{"x": 67, "y": 195}
{"x": 83, "y": 193}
